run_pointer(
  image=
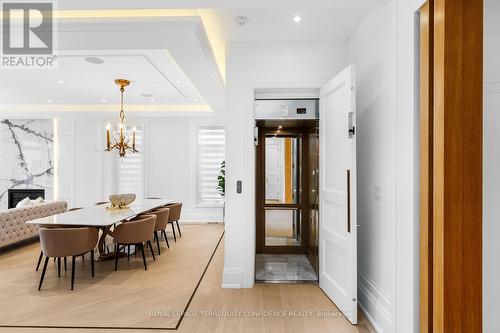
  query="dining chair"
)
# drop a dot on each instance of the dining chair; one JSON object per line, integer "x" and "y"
{"x": 135, "y": 232}
{"x": 174, "y": 216}
{"x": 160, "y": 225}
{"x": 67, "y": 242}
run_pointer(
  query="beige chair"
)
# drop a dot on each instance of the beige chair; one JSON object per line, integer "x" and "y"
{"x": 174, "y": 216}
{"x": 160, "y": 225}
{"x": 135, "y": 232}
{"x": 67, "y": 242}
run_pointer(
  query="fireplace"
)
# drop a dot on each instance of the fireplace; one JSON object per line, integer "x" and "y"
{"x": 15, "y": 195}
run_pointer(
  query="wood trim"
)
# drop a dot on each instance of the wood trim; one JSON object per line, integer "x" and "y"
{"x": 426, "y": 162}
{"x": 457, "y": 155}
{"x": 288, "y": 132}
{"x": 288, "y": 170}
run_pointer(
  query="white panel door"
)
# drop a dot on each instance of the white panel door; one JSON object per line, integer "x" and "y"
{"x": 337, "y": 235}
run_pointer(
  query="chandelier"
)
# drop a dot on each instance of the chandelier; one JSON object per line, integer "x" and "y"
{"x": 122, "y": 143}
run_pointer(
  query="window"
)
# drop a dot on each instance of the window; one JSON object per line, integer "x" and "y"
{"x": 211, "y": 145}
{"x": 129, "y": 169}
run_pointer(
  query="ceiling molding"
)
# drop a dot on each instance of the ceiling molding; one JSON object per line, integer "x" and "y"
{"x": 108, "y": 108}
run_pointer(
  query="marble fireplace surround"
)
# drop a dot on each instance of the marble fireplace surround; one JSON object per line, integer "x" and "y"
{"x": 26, "y": 149}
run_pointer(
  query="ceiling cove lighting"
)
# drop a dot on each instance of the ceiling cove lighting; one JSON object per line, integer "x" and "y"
{"x": 122, "y": 142}
{"x": 297, "y": 18}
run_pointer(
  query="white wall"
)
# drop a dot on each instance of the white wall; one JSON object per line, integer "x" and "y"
{"x": 491, "y": 167}
{"x": 251, "y": 66}
{"x": 372, "y": 50}
{"x": 169, "y": 161}
{"x": 407, "y": 188}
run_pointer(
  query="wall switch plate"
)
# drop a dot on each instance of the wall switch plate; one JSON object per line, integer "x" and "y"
{"x": 378, "y": 193}
{"x": 238, "y": 186}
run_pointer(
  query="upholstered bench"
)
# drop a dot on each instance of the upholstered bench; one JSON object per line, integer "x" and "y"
{"x": 13, "y": 228}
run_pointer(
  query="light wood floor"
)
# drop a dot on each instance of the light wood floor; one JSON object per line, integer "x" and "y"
{"x": 124, "y": 298}
{"x": 296, "y": 304}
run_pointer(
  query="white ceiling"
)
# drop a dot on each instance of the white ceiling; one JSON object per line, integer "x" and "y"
{"x": 155, "y": 78}
{"x": 168, "y": 58}
{"x": 269, "y": 20}
{"x": 155, "y": 52}
{"x": 276, "y": 24}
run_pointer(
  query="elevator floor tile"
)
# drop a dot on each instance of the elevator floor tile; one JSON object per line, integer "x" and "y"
{"x": 284, "y": 268}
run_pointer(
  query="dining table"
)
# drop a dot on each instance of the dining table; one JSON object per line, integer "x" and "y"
{"x": 103, "y": 217}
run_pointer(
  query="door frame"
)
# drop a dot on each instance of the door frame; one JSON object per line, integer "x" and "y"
{"x": 451, "y": 120}
{"x": 260, "y": 186}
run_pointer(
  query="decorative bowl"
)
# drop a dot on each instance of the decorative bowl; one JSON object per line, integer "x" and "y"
{"x": 121, "y": 200}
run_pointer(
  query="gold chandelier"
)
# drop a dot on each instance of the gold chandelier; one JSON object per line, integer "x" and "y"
{"x": 122, "y": 143}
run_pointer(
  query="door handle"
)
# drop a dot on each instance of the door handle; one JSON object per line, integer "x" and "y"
{"x": 348, "y": 201}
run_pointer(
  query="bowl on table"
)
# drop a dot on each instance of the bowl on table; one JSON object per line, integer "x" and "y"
{"x": 121, "y": 200}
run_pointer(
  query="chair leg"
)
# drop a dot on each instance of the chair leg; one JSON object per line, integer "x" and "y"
{"x": 157, "y": 242}
{"x": 151, "y": 249}
{"x": 128, "y": 252}
{"x": 117, "y": 246}
{"x": 144, "y": 257}
{"x": 92, "y": 261}
{"x": 83, "y": 257}
{"x": 43, "y": 272}
{"x": 65, "y": 264}
{"x": 73, "y": 264}
{"x": 39, "y": 261}
{"x": 164, "y": 233}
{"x": 173, "y": 230}
{"x": 59, "y": 267}
{"x": 177, "y": 222}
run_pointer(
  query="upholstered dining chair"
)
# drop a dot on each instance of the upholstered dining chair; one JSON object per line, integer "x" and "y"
{"x": 160, "y": 225}
{"x": 40, "y": 257}
{"x": 67, "y": 242}
{"x": 174, "y": 216}
{"x": 135, "y": 232}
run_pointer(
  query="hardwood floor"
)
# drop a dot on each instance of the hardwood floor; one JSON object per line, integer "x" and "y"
{"x": 124, "y": 298}
{"x": 295, "y": 305}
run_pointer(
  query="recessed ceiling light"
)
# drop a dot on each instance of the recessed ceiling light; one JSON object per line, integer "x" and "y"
{"x": 103, "y": 100}
{"x": 152, "y": 100}
{"x": 60, "y": 82}
{"x": 195, "y": 99}
{"x": 297, "y": 18}
{"x": 49, "y": 101}
{"x": 178, "y": 81}
{"x": 94, "y": 60}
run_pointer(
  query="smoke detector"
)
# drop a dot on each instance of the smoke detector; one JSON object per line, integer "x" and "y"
{"x": 241, "y": 20}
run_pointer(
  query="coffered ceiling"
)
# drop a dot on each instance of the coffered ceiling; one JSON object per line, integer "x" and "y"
{"x": 169, "y": 61}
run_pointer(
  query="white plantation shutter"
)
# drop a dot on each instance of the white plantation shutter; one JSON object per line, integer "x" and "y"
{"x": 211, "y": 146}
{"x": 129, "y": 169}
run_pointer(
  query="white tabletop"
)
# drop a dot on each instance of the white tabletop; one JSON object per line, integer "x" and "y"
{"x": 100, "y": 216}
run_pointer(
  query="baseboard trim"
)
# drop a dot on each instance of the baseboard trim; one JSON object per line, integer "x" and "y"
{"x": 370, "y": 318}
{"x": 374, "y": 303}
{"x": 231, "y": 278}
